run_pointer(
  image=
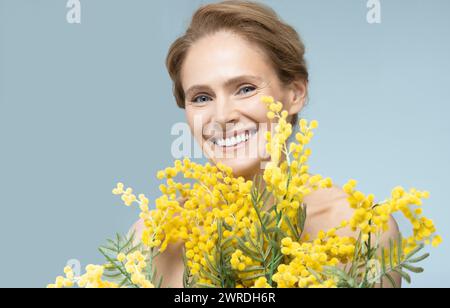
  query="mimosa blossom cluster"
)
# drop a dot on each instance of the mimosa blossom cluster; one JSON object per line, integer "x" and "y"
{"x": 250, "y": 234}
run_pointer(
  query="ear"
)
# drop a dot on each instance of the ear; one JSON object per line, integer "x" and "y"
{"x": 298, "y": 91}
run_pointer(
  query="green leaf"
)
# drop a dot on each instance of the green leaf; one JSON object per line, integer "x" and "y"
{"x": 315, "y": 274}
{"x": 265, "y": 197}
{"x": 267, "y": 253}
{"x": 268, "y": 219}
{"x": 123, "y": 282}
{"x": 277, "y": 231}
{"x": 294, "y": 231}
{"x": 353, "y": 267}
{"x": 343, "y": 276}
{"x": 252, "y": 254}
{"x": 260, "y": 235}
{"x": 210, "y": 266}
{"x": 154, "y": 273}
{"x": 253, "y": 277}
{"x": 253, "y": 269}
{"x": 210, "y": 276}
{"x": 413, "y": 269}
{"x": 399, "y": 248}
{"x": 227, "y": 241}
{"x": 116, "y": 275}
{"x": 301, "y": 217}
{"x": 159, "y": 284}
{"x": 404, "y": 275}
{"x": 391, "y": 280}
{"x": 419, "y": 259}
{"x": 391, "y": 253}
{"x": 219, "y": 229}
{"x": 206, "y": 286}
{"x": 249, "y": 239}
{"x": 115, "y": 270}
{"x": 230, "y": 250}
{"x": 227, "y": 227}
{"x": 415, "y": 251}
{"x": 113, "y": 244}
{"x": 383, "y": 261}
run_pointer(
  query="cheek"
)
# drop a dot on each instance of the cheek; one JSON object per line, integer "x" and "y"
{"x": 255, "y": 110}
{"x": 196, "y": 119}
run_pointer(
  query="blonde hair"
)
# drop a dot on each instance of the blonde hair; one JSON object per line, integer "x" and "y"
{"x": 253, "y": 21}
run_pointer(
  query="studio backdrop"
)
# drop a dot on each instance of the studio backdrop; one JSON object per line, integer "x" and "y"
{"x": 86, "y": 102}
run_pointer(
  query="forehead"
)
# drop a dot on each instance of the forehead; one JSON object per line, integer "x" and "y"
{"x": 221, "y": 56}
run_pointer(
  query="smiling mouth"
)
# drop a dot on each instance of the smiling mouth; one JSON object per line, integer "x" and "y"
{"x": 236, "y": 141}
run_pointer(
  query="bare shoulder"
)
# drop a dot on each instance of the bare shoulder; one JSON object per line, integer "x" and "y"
{"x": 392, "y": 233}
{"x": 331, "y": 207}
{"x": 326, "y": 209}
{"x": 137, "y": 228}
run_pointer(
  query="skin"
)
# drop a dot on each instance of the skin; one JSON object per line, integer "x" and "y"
{"x": 219, "y": 108}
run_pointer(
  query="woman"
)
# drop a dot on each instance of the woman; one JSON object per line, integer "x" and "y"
{"x": 232, "y": 54}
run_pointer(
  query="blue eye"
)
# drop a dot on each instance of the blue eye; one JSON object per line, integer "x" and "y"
{"x": 247, "y": 89}
{"x": 203, "y": 99}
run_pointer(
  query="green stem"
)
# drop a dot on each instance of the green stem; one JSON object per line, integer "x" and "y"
{"x": 124, "y": 273}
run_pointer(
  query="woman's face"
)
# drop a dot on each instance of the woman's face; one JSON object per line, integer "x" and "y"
{"x": 224, "y": 78}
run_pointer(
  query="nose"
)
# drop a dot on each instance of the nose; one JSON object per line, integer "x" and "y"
{"x": 225, "y": 113}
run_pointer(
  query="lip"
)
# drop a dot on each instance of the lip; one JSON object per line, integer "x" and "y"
{"x": 234, "y": 134}
{"x": 253, "y": 134}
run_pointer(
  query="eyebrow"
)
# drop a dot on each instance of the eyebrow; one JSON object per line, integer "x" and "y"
{"x": 227, "y": 84}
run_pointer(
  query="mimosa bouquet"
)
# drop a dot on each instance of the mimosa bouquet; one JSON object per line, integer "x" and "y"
{"x": 250, "y": 234}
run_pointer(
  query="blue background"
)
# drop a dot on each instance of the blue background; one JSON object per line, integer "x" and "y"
{"x": 85, "y": 106}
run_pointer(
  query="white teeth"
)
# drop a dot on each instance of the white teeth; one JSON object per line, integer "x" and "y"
{"x": 231, "y": 142}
